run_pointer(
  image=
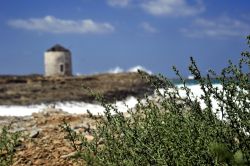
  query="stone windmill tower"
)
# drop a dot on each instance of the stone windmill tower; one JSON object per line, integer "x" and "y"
{"x": 57, "y": 61}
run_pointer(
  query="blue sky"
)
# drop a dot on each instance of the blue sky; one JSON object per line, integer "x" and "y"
{"x": 106, "y": 34}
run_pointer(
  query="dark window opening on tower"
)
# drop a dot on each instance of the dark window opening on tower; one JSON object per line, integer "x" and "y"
{"x": 61, "y": 68}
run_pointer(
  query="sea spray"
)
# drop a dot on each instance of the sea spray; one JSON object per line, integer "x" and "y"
{"x": 95, "y": 109}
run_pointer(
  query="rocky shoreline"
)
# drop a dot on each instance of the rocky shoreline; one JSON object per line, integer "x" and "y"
{"x": 37, "y": 89}
{"x": 43, "y": 141}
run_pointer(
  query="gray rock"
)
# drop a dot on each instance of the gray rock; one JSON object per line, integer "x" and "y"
{"x": 21, "y": 129}
{"x": 82, "y": 125}
{"x": 34, "y": 133}
{"x": 27, "y": 118}
{"x": 68, "y": 155}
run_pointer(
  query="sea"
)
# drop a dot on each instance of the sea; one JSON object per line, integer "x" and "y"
{"x": 82, "y": 107}
{"x": 192, "y": 81}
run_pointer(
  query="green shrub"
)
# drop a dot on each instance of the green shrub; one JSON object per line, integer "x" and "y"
{"x": 8, "y": 142}
{"x": 173, "y": 130}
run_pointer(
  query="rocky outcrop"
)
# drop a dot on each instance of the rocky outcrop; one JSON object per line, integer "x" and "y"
{"x": 35, "y": 89}
{"x": 43, "y": 141}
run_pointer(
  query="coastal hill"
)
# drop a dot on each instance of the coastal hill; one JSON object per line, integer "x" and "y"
{"x": 37, "y": 89}
{"x": 43, "y": 142}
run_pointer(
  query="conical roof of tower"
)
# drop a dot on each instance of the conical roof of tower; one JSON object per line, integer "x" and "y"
{"x": 57, "y": 47}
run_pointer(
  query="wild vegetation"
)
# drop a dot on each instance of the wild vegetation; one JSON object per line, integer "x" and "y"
{"x": 176, "y": 130}
{"x": 8, "y": 142}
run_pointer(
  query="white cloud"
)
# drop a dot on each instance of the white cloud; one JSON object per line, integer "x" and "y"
{"x": 118, "y": 3}
{"x": 220, "y": 28}
{"x": 55, "y": 25}
{"x": 172, "y": 7}
{"x": 148, "y": 27}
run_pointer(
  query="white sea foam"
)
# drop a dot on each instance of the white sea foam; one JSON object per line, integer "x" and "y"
{"x": 196, "y": 90}
{"x": 82, "y": 107}
{"x": 134, "y": 69}
{"x": 116, "y": 70}
{"x": 70, "y": 107}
